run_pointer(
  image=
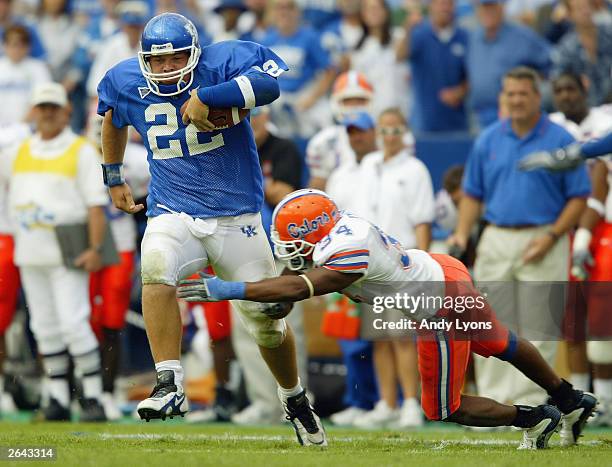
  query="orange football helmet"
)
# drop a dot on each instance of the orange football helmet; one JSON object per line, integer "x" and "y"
{"x": 350, "y": 85}
{"x": 299, "y": 221}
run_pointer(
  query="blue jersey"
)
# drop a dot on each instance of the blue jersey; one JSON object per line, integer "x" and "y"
{"x": 203, "y": 174}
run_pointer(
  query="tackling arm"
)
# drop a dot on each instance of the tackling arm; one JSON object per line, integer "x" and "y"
{"x": 285, "y": 288}
{"x": 568, "y": 157}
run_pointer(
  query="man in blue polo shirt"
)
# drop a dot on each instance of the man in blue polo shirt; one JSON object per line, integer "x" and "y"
{"x": 437, "y": 50}
{"x": 497, "y": 46}
{"x": 529, "y": 215}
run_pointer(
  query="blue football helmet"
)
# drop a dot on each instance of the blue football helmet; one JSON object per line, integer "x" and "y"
{"x": 169, "y": 33}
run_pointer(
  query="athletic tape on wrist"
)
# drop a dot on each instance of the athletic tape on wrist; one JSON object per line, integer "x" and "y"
{"x": 596, "y": 206}
{"x": 113, "y": 174}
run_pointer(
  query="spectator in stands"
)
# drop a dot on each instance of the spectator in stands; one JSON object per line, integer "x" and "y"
{"x": 394, "y": 190}
{"x": 526, "y": 237}
{"x": 525, "y": 11}
{"x": 437, "y": 51}
{"x": 19, "y": 73}
{"x": 280, "y": 162}
{"x": 37, "y": 49}
{"x": 319, "y": 14}
{"x": 56, "y": 179}
{"x": 448, "y": 199}
{"x": 329, "y": 149}
{"x": 253, "y": 22}
{"x": 133, "y": 15}
{"x": 98, "y": 28}
{"x": 229, "y": 11}
{"x": 587, "y": 50}
{"x": 360, "y": 392}
{"x": 60, "y": 36}
{"x": 302, "y": 108}
{"x": 347, "y": 29}
{"x": 374, "y": 56}
{"x": 193, "y": 12}
{"x": 496, "y": 46}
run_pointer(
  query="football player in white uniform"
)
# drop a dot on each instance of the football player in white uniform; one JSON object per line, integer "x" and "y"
{"x": 591, "y": 252}
{"x": 330, "y": 149}
{"x": 331, "y": 251}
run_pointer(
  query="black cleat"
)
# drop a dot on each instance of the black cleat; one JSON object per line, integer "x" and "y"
{"x": 576, "y": 418}
{"x": 53, "y": 412}
{"x": 537, "y": 436}
{"x": 305, "y": 421}
{"x": 164, "y": 401}
{"x": 92, "y": 411}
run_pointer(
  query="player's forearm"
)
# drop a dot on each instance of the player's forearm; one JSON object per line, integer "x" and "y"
{"x": 114, "y": 140}
{"x": 597, "y": 148}
{"x": 246, "y": 91}
{"x": 569, "y": 216}
{"x": 96, "y": 221}
{"x": 280, "y": 289}
{"x": 469, "y": 212}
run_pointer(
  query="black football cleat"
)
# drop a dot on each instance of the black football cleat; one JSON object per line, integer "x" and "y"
{"x": 92, "y": 410}
{"x": 164, "y": 401}
{"x": 305, "y": 421}
{"x": 548, "y": 421}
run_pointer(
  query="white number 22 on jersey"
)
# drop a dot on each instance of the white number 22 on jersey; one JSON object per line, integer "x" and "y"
{"x": 174, "y": 145}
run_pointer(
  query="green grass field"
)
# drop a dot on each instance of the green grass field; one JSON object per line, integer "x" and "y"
{"x": 176, "y": 443}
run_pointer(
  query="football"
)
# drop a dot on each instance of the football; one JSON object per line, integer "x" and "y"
{"x": 223, "y": 117}
{"x": 226, "y": 117}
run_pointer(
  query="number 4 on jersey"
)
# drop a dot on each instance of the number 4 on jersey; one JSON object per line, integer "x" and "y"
{"x": 343, "y": 229}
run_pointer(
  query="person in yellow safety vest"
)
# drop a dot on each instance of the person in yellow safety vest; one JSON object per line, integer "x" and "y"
{"x": 55, "y": 179}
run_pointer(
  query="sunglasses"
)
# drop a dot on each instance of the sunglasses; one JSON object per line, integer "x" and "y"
{"x": 392, "y": 130}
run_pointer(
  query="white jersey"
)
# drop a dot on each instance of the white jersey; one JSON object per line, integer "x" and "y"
{"x": 341, "y": 187}
{"x": 10, "y": 135}
{"x": 597, "y": 124}
{"x": 52, "y": 182}
{"x": 357, "y": 246}
{"x": 328, "y": 150}
{"x": 113, "y": 50}
{"x": 16, "y": 83}
{"x": 136, "y": 172}
{"x": 396, "y": 194}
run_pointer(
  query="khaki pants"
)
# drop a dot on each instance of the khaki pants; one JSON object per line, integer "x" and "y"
{"x": 524, "y": 302}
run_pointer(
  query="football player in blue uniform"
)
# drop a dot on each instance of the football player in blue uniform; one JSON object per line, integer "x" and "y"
{"x": 205, "y": 194}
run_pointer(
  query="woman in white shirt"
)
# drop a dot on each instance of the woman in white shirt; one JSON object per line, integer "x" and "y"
{"x": 59, "y": 34}
{"x": 374, "y": 56}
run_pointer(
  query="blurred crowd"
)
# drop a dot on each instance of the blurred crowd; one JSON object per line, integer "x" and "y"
{"x": 367, "y": 80}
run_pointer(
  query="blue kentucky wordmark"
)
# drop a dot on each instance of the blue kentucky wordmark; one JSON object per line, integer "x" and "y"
{"x": 249, "y": 230}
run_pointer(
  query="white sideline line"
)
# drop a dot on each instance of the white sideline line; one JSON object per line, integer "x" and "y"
{"x": 437, "y": 444}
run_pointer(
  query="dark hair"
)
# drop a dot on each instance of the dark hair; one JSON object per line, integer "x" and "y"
{"x": 19, "y": 30}
{"x": 524, "y": 72}
{"x": 452, "y": 178}
{"x": 386, "y": 38}
{"x": 575, "y": 77}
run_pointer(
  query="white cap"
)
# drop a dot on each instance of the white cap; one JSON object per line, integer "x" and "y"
{"x": 49, "y": 93}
